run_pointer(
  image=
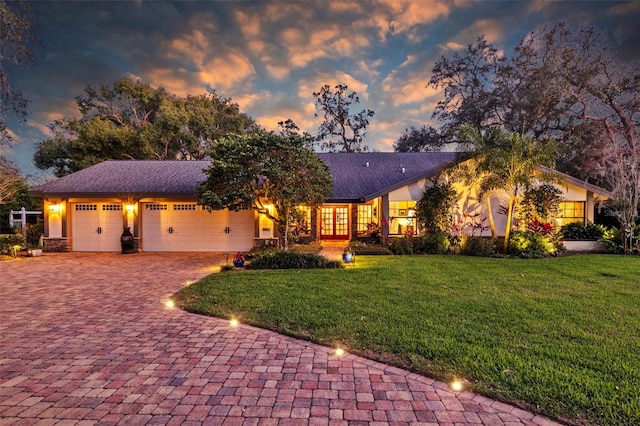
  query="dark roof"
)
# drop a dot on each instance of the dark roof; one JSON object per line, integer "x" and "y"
{"x": 353, "y": 179}
{"x": 144, "y": 178}
{"x": 367, "y": 175}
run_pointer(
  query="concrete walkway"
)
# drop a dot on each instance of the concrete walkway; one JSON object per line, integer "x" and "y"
{"x": 86, "y": 339}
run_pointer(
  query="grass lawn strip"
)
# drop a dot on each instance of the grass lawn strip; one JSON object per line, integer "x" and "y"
{"x": 557, "y": 336}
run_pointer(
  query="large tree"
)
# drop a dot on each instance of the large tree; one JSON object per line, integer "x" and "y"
{"x": 506, "y": 161}
{"x": 251, "y": 171}
{"x": 419, "y": 139}
{"x": 561, "y": 83}
{"x": 10, "y": 179}
{"x": 132, "y": 120}
{"x": 342, "y": 130}
{"x": 16, "y": 52}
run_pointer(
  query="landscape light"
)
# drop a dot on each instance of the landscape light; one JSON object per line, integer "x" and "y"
{"x": 170, "y": 304}
{"x": 234, "y": 322}
{"x": 456, "y": 386}
{"x": 339, "y": 352}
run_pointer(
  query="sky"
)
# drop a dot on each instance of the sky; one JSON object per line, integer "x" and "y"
{"x": 270, "y": 56}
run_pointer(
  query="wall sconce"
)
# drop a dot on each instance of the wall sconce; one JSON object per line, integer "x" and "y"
{"x": 54, "y": 208}
{"x": 129, "y": 208}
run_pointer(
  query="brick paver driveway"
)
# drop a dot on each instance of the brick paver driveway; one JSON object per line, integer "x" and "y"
{"x": 86, "y": 339}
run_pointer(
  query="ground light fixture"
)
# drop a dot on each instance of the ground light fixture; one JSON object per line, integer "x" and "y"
{"x": 233, "y": 322}
{"x": 170, "y": 304}
{"x": 339, "y": 352}
{"x": 456, "y": 385}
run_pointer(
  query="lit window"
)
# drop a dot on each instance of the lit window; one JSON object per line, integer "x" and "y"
{"x": 364, "y": 217}
{"x": 571, "y": 211}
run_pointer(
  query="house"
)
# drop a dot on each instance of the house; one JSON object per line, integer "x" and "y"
{"x": 87, "y": 210}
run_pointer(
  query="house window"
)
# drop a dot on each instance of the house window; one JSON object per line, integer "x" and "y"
{"x": 401, "y": 217}
{"x": 112, "y": 207}
{"x": 571, "y": 211}
{"x": 364, "y": 217}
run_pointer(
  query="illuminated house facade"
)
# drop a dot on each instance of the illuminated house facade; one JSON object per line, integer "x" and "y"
{"x": 87, "y": 210}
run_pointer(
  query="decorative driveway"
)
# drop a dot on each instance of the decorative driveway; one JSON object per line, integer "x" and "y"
{"x": 86, "y": 339}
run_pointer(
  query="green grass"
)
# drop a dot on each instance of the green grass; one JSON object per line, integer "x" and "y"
{"x": 558, "y": 336}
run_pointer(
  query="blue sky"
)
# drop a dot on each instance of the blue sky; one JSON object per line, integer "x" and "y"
{"x": 270, "y": 56}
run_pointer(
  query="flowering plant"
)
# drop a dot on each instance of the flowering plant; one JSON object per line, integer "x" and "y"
{"x": 238, "y": 257}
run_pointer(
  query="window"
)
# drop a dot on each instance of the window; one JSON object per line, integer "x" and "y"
{"x": 401, "y": 217}
{"x": 111, "y": 207}
{"x": 570, "y": 211}
{"x": 364, "y": 217}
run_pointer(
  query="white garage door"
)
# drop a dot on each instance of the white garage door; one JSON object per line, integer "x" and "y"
{"x": 189, "y": 227}
{"x": 96, "y": 226}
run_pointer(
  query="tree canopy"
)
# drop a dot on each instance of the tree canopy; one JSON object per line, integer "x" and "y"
{"x": 132, "y": 120}
{"x": 16, "y": 52}
{"x": 252, "y": 170}
{"x": 341, "y": 130}
{"x": 10, "y": 179}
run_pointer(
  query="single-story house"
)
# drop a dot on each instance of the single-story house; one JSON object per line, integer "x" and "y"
{"x": 87, "y": 210}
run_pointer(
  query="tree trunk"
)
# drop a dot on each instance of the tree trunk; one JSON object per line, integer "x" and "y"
{"x": 507, "y": 230}
{"x": 492, "y": 224}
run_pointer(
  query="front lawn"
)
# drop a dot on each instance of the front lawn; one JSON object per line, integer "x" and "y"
{"x": 557, "y": 336}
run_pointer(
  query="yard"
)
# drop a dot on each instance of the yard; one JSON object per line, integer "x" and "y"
{"x": 557, "y": 336}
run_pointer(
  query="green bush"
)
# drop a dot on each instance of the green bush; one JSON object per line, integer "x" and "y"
{"x": 279, "y": 259}
{"x": 310, "y": 247}
{"x": 612, "y": 240}
{"x": 359, "y": 247}
{"x": 582, "y": 231}
{"x": 8, "y": 241}
{"x": 402, "y": 246}
{"x": 435, "y": 243}
{"x": 477, "y": 246}
{"x": 531, "y": 245}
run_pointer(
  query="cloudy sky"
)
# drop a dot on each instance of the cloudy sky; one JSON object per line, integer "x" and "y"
{"x": 270, "y": 56}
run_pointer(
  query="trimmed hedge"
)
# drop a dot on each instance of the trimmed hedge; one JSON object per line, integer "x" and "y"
{"x": 582, "y": 231}
{"x": 279, "y": 259}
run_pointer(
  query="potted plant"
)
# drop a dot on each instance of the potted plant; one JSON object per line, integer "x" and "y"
{"x": 238, "y": 260}
{"x": 348, "y": 255}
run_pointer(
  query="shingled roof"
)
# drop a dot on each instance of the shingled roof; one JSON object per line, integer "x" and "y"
{"x": 357, "y": 176}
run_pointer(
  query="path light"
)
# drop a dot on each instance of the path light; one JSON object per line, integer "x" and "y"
{"x": 456, "y": 386}
{"x": 233, "y": 322}
{"x": 170, "y": 304}
{"x": 339, "y": 352}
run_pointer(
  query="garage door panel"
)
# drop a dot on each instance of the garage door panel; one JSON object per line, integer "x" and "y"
{"x": 97, "y": 226}
{"x": 193, "y": 228}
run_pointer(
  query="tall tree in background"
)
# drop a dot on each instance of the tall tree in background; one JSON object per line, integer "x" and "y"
{"x": 561, "y": 83}
{"x": 16, "y": 42}
{"x": 10, "y": 180}
{"x": 250, "y": 171}
{"x": 414, "y": 139}
{"x": 342, "y": 130}
{"x": 132, "y": 120}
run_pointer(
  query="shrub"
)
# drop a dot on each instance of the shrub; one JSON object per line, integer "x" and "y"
{"x": 582, "y": 231}
{"x": 612, "y": 240}
{"x": 310, "y": 247}
{"x": 402, "y": 246}
{"x": 530, "y": 245}
{"x": 436, "y": 243}
{"x": 477, "y": 246}
{"x": 8, "y": 241}
{"x": 279, "y": 259}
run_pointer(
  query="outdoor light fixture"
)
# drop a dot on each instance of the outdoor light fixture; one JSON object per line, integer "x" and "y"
{"x": 456, "y": 386}
{"x": 129, "y": 207}
{"x": 234, "y": 322}
{"x": 54, "y": 208}
{"x": 170, "y": 304}
{"x": 339, "y": 352}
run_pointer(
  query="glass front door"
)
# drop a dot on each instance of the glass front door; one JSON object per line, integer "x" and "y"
{"x": 334, "y": 223}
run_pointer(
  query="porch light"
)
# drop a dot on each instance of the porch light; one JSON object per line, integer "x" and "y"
{"x": 233, "y": 322}
{"x": 54, "y": 208}
{"x": 129, "y": 208}
{"x": 456, "y": 386}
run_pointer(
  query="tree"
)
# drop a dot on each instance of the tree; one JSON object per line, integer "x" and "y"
{"x": 341, "y": 130}
{"x": 560, "y": 83}
{"x": 16, "y": 41}
{"x": 507, "y": 161}
{"x": 132, "y": 120}
{"x": 250, "y": 171}
{"x": 434, "y": 209}
{"x": 10, "y": 179}
{"x": 413, "y": 139}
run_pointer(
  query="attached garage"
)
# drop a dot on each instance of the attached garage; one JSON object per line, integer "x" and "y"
{"x": 96, "y": 226}
{"x": 170, "y": 226}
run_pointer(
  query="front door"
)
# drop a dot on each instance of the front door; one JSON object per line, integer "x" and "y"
{"x": 334, "y": 223}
